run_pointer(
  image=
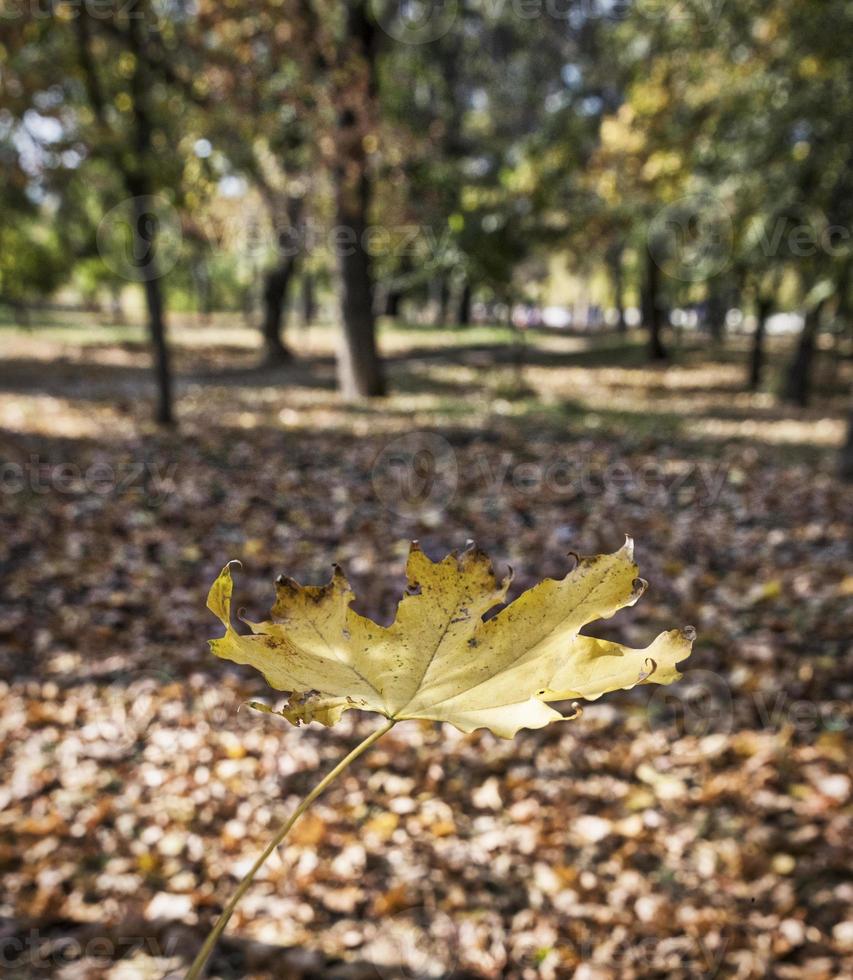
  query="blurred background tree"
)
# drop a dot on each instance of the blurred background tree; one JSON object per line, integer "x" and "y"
{"x": 691, "y": 161}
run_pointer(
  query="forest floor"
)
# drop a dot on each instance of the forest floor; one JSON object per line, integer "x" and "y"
{"x": 702, "y": 830}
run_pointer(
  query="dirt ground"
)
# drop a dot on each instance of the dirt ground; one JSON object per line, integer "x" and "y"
{"x": 702, "y": 830}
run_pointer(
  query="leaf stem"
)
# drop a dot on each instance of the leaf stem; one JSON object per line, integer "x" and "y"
{"x": 195, "y": 971}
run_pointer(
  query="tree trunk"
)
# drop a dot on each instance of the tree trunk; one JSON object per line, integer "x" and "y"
{"x": 276, "y": 283}
{"x": 845, "y": 467}
{"x": 440, "y": 294}
{"x": 308, "y": 299}
{"x": 359, "y": 368}
{"x": 463, "y": 315}
{"x": 397, "y": 288}
{"x": 203, "y": 290}
{"x": 19, "y": 311}
{"x": 798, "y": 382}
{"x": 145, "y": 224}
{"x": 443, "y": 301}
{"x": 652, "y": 310}
{"x": 393, "y": 298}
{"x": 614, "y": 260}
{"x": 285, "y": 218}
{"x": 137, "y": 182}
{"x": 756, "y": 360}
{"x": 716, "y": 308}
{"x": 145, "y": 253}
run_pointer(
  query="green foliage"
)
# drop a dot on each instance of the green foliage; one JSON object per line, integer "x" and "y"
{"x": 503, "y": 140}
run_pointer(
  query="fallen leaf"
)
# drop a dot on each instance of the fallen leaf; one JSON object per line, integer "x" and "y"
{"x": 440, "y": 660}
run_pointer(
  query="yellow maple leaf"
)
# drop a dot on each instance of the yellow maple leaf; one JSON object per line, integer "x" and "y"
{"x": 440, "y": 660}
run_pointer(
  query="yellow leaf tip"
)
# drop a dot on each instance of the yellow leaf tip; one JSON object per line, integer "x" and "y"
{"x": 472, "y": 554}
{"x": 256, "y": 706}
{"x": 577, "y": 712}
{"x": 284, "y": 583}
